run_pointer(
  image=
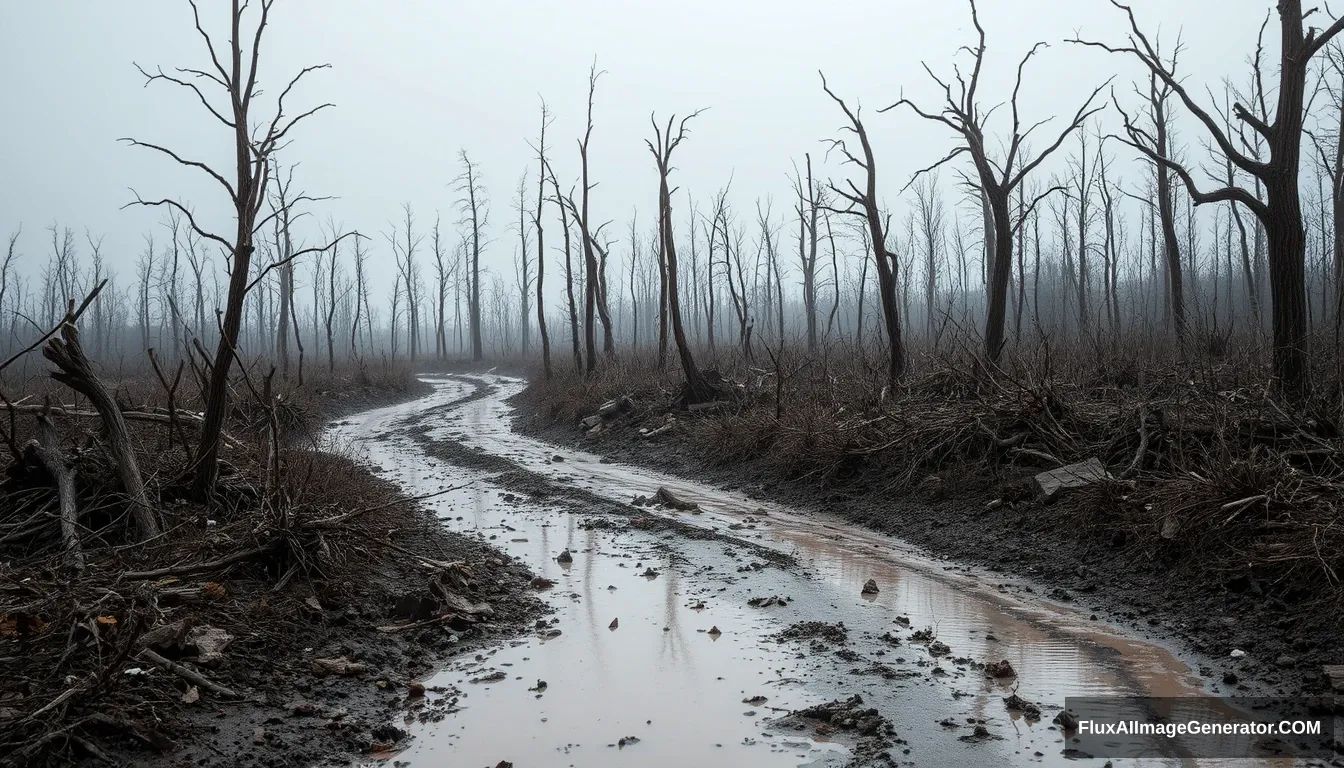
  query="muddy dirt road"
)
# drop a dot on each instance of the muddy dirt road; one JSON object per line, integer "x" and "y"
{"x": 656, "y": 655}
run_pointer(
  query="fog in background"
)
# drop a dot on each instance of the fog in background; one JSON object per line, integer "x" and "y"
{"x": 415, "y": 81}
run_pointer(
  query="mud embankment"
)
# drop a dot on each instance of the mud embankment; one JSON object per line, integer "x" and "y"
{"x": 991, "y": 520}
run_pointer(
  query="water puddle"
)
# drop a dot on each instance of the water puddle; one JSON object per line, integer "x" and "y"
{"x": 635, "y": 676}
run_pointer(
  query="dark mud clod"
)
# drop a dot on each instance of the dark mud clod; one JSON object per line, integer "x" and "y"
{"x": 1016, "y": 703}
{"x": 1000, "y": 669}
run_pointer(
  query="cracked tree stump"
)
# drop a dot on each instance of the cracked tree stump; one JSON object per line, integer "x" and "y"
{"x": 77, "y": 373}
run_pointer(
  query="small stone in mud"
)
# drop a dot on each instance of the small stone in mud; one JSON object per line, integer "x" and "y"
{"x": 627, "y": 741}
{"x": 981, "y": 733}
{"x": 767, "y": 602}
{"x": 416, "y": 689}
{"x": 649, "y": 573}
{"x": 557, "y": 457}
{"x": 565, "y": 557}
{"x": 493, "y": 677}
{"x": 755, "y": 701}
{"x": 1066, "y": 720}
{"x": 504, "y": 764}
{"x": 714, "y": 631}
{"x": 1000, "y": 669}
{"x": 539, "y": 687}
{"x": 614, "y": 624}
{"x": 1230, "y": 678}
{"x": 870, "y": 587}
{"x": 1016, "y": 703}
{"x": 939, "y": 648}
{"x": 541, "y": 582}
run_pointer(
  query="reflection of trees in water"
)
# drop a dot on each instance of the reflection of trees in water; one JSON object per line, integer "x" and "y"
{"x": 674, "y": 642}
{"x": 590, "y": 605}
{"x": 478, "y": 505}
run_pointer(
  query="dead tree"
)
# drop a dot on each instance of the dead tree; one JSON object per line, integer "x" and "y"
{"x": 808, "y": 208}
{"x": 698, "y": 388}
{"x": 863, "y": 203}
{"x": 524, "y": 263}
{"x": 593, "y": 299}
{"x": 237, "y": 77}
{"x": 569, "y": 269}
{"x": 403, "y": 251}
{"x": 361, "y": 300}
{"x": 284, "y": 246}
{"x": 476, "y": 215}
{"x": 961, "y": 113}
{"x": 929, "y": 208}
{"x": 329, "y": 321}
{"x": 443, "y": 272}
{"x": 541, "y": 242}
{"x": 1281, "y": 210}
{"x": 76, "y": 372}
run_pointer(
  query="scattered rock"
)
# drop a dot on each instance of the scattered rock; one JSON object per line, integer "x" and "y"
{"x": 1066, "y": 720}
{"x": 493, "y": 677}
{"x": 870, "y": 734}
{"x": 767, "y": 602}
{"x": 416, "y": 689}
{"x": 1000, "y": 669}
{"x": 541, "y": 582}
{"x": 870, "y": 587}
{"x": 209, "y": 643}
{"x": 1237, "y": 653}
{"x": 627, "y": 741}
{"x": 564, "y": 557}
{"x": 1050, "y": 485}
{"x": 666, "y": 498}
{"x": 1229, "y": 678}
{"x": 806, "y": 630}
{"x": 540, "y": 687}
{"x": 714, "y": 631}
{"x": 755, "y": 701}
{"x": 614, "y": 624}
{"x": 557, "y": 457}
{"x": 939, "y": 648}
{"x": 981, "y": 733}
{"x": 1016, "y": 703}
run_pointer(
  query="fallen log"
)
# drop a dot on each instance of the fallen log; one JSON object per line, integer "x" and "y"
{"x": 151, "y": 417}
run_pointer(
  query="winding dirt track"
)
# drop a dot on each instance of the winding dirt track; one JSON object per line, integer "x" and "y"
{"x": 686, "y": 695}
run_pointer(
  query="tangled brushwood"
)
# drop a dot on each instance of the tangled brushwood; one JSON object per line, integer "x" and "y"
{"x": 1205, "y": 470}
{"x": 125, "y": 599}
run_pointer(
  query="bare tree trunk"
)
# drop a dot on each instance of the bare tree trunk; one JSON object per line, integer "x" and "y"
{"x": 76, "y": 372}
{"x": 542, "y": 172}
{"x": 698, "y": 389}
{"x": 865, "y": 204}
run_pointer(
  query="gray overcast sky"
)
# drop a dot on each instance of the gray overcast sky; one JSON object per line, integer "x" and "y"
{"x": 414, "y": 81}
